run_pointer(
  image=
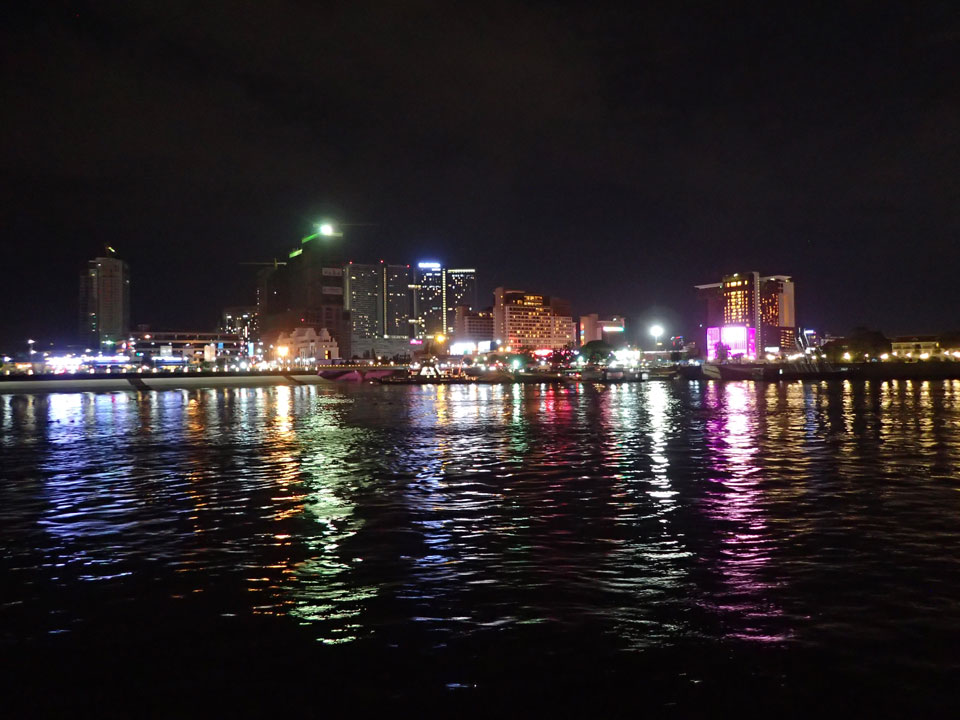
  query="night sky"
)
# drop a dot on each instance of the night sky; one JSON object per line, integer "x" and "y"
{"x": 611, "y": 154}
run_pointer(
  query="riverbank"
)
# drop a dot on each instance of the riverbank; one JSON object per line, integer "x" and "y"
{"x": 176, "y": 381}
{"x": 139, "y": 381}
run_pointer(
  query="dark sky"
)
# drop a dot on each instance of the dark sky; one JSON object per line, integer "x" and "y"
{"x": 612, "y": 154}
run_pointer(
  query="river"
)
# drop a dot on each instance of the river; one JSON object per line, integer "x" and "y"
{"x": 671, "y": 547}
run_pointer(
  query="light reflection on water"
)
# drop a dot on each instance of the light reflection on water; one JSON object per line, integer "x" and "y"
{"x": 633, "y": 515}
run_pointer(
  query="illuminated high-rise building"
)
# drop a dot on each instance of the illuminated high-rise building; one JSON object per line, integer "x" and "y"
{"x": 104, "y": 316}
{"x": 460, "y": 286}
{"x": 763, "y": 304}
{"x": 379, "y": 299}
{"x": 397, "y": 301}
{"x": 363, "y": 297}
{"x": 438, "y": 291}
{"x": 525, "y": 321}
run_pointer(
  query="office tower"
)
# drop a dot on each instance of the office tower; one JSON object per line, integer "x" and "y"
{"x": 363, "y": 297}
{"x": 397, "y": 301}
{"x": 428, "y": 299}
{"x": 460, "y": 287}
{"x": 524, "y": 321}
{"x": 438, "y": 291}
{"x": 104, "y": 317}
{"x": 764, "y": 305}
{"x": 378, "y": 298}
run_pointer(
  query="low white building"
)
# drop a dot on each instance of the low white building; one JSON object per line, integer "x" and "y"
{"x": 915, "y": 345}
{"x": 305, "y": 344}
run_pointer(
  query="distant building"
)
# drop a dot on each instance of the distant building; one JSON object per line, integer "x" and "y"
{"x": 437, "y": 292}
{"x": 524, "y": 321}
{"x": 763, "y": 305}
{"x": 397, "y": 301}
{"x": 241, "y": 320}
{"x": 472, "y": 326}
{"x": 593, "y": 328}
{"x": 104, "y": 313}
{"x": 460, "y": 287}
{"x": 915, "y": 345}
{"x": 185, "y": 344}
{"x": 363, "y": 297}
{"x": 305, "y": 291}
{"x": 379, "y": 300}
{"x": 307, "y": 345}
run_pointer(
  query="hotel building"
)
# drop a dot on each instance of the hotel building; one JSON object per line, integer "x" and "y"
{"x": 525, "y": 321}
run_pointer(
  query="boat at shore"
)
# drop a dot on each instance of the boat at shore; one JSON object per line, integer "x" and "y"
{"x": 773, "y": 372}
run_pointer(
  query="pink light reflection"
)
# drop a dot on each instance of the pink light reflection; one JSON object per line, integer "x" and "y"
{"x": 736, "y": 503}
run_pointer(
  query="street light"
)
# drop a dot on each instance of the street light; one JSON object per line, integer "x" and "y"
{"x": 30, "y": 346}
{"x": 324, "y": 229}
{"x": 656, "y": 331}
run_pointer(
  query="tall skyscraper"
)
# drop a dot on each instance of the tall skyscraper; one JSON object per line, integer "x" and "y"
{"x": 764, "y": 305}
{"x": 397, "y": 301}
{"x": 363, "y": 297}
{"x": 524, "y": 321}
{"x": 104, "y": 301}
{"x": 378, "y": 298}
{"x": 428, "y": 299}
{"x": 460, "y": 285}
{"x": 438, "y": 291}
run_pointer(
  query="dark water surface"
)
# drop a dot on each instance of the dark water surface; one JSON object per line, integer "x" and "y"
{"x": 656, "y": 548}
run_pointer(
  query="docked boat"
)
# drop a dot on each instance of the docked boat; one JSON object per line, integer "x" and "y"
{"x": 773, "y": 372}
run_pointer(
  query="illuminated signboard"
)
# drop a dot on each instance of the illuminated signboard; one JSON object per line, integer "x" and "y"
{"x": 739, "y": 340}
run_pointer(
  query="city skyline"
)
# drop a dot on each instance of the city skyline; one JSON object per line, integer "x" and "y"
{"x": 724, "y": 138}
{"x": 389, "y": 277}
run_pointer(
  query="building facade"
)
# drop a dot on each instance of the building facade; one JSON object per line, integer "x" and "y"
{"x": 151, "y": 344}
{"x": 379, "y": 299}
{"x": 437, "y": 292}
{"x": 526, "y": 321}
{"x": 593, "y": 328}
{"x": 913, "y": 346}
{"x": 363, "y": 297}
{"x": 104, "y": 312}
{"x": 764, "y": 305}
{"x": 306, "y": 345}
{"x": 472, "y": 326}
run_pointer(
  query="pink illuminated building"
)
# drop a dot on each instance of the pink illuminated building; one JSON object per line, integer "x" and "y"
{"x": 762, "y": 305}
{"x": 738, "y": 339}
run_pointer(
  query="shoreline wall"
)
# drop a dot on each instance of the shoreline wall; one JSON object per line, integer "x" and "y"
{"x": 107, "y": 383}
